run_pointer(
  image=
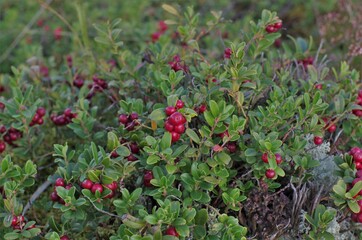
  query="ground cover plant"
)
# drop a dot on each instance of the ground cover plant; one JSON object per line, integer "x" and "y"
{"x": 189, "y": 126}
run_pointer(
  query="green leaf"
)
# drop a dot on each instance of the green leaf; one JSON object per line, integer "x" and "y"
{"x": 214, "y": 108}
{"x": 192, "y": 134}
{"x": 112, "y": 141}
{"x": 12, "y": 235}
{"x": 356, "y": 189}
{"x": 250, "y": 152}
{"x": 153, "y": 159}
{"x": 165, "y": 141}
{"x": 201, "y": 217}
{"x": 353, "y": 205}
{"x": 157, "y": 114}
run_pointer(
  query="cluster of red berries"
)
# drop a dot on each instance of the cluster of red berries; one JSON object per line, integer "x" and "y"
{"x": 98, "y": 85}
{"x": 78, "y": 81}
{"x": 175, "y": 123}
{"x": 10, "y": 135}
{"x": 227, "y": 53}
{"x": 272, "y": 28}
{"x": 176, "y": 64}
{"x": 171, "y": 231}
{"x": 59, "y": 183}
{"x": 358, "y": 112}
{"x": 200, "y": 109}
{"x": 18, "y": 222}
{"x": 306, "y": 61}
{"x": 38, "y": 117}
{"x": 129, "y": 121}
{"x": 270, "y": 173}
{"x": 161, "y": 29}
{"x": 63, "y": 119}
{"x": 147, "y": 177}
{"x": 94, "y": 187}
{"x": 356, "y": 153}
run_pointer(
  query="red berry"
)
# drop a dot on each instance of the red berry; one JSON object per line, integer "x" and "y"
{"x": 318, "y": 140}
{"x": 40, "y": 121}
{"x": 359, "y": 174}
{"x": 132, "y": 158}
{"x": 180, "y": 104}
{"x": 68, "y": 112}
{"x": 114, "y": 154}
{"x": 359, "y": 217}
{"x": 123, "y": 118}
{"x": 134, "y": 148}
{"x": 264, "y": 157}
{"x": 318, "y": 86}
{"x": 60, "y": 182}
{"x": 227, "y": 53}
{"x": 112, "y": 186}
{"x": 177, "y": 119}
{"x": 97, "y": 187}
{"x": 147, "y": 178}
{"x": 155, "y": 36}
{"x": 87, "y": 184}
{"x": 332, "y": 128}
{"x": 179, "y": 128}
{"x": 357, "y": 112}
{"x": 231, "y": 146}
{"x": 170, "y": 110}
{"x": 357, "y": 157}
{"x": 54, "y": 196}
{"x": 64, "y": 237}
{"x": 2, "y": 129}
{"x": 133, "y": 116}
{"x": 168, "y": 127}
{"x": 278, "y": 25}
{"x": 14, "y": 221}
{"x": 41, "y": 111}
{"x": 278, "y": 158}
{"x": 162, "y": 26}
{"x": 354, "y": 150}
{"x": 172, "y": 232}
{"x": 2, "y": 146}
{"x": 358, "y": 165}
{"x": 202, "y": 108}
{"x": 270, "y": 173}
{"x": 175, "y": 137}
{"x": 270, "y": 29}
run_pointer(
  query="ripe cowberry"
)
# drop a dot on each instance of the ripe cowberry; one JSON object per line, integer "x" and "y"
{"x": 175, "y": 137}
{"x": 87, "y": 184}
{"x": 112, "y": 186}
{"x": 179, "y": 128}
{"x": 64, "y": 237}
{"x": 278, "y": 158}
{"x": 60, "y": 182}
{"x": 270, "y": 173}
{"x": 264, "y": 157}
{"x": 170, "y": 110}
{"x": 54, "y": 197}
{"x": 171, "y": 231}
{"x": 270, "y": 29}
{"x": 123, "y": 118}
{"x": 147, "y": 177}
{"x": 180, "y": 104}
{"x": 132, "y": 158}
{"x": 318, "y": 140}
{"x": 97, "y": 187}
{"x": 168, "y": 127}
{"x": 231, "y": 146}
{"x": 177, "y": 119}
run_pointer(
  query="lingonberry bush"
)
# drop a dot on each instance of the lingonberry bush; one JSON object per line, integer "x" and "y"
{"x": 182, "y": 135}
